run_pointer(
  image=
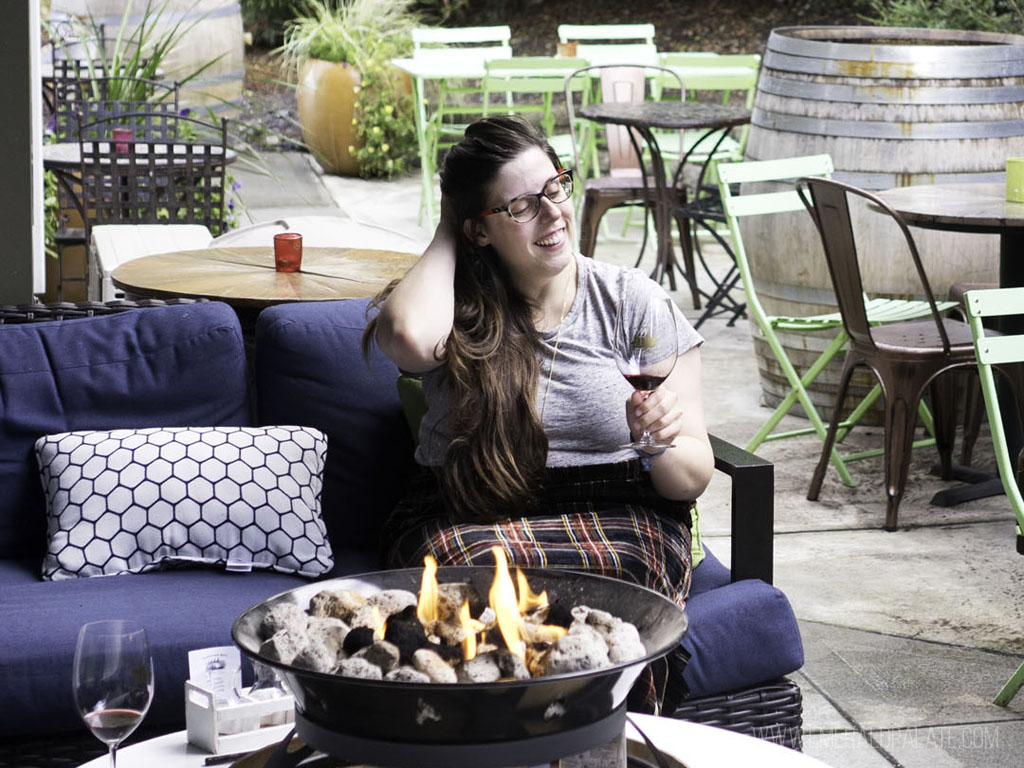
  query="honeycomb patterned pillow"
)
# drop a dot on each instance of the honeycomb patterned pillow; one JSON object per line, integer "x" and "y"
{"x": 130, "y": 501}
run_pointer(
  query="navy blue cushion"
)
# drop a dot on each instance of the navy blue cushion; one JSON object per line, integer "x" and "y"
{"x": 174, "y": 366}
{"x": 181, "y": 611}
{"x": 709, "y": 574}
{"x": 739, "y": 634}
{"x": 310, "y": 371}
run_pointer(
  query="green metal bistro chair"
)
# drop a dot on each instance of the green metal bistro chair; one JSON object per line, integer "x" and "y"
{"x": 460, "y": 97}
{"x": 1006, "y": 351}
{"x": 717, "y": 77}
{"x": 534, "y": 87}
{"x": 776, "y": 195}
{"x": 611, "y": 43}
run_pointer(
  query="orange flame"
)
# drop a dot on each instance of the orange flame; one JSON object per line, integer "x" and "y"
{"x": 502, "y": 598}
{"x": 378, "y": 623}
{"x": 528, "y": 600}
{"x": 471, "y": 627}
{"x": 426, "y": 608}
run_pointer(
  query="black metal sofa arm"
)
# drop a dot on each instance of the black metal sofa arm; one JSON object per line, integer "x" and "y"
{"x": 753, "y": 510}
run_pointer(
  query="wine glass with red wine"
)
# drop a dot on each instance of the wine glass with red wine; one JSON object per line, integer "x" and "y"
{"x": 646, "y": 345}
{"x": 112, "y": 680}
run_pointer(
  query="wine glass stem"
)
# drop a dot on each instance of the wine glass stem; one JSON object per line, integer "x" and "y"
{"x": 113, "y": 756}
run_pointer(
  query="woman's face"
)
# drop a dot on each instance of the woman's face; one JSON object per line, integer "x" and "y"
{"x": 534, "y": 250}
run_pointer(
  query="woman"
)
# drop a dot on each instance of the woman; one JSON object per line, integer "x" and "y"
{"x": 511, "y": 331}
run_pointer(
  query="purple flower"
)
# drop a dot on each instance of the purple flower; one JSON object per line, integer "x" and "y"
{"x": 236, "y": 185}
{"x": 186, "y": 112}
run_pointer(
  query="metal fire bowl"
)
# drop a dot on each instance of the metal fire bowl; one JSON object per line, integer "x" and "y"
{"x": 435, "y": 713}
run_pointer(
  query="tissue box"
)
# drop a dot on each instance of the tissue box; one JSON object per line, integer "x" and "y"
{"x": 204, "y": 721}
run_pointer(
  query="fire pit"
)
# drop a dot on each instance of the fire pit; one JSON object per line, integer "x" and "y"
{"x": 395, "y": 723}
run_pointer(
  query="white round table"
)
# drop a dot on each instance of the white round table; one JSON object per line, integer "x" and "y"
{"x": 697, "y": 746}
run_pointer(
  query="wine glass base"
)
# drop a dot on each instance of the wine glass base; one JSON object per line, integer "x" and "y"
{"x": 642, "y": 447}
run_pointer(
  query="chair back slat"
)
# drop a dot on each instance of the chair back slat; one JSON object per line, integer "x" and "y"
{"x": 995, "y": 303}
{"x": 611, "y": 43}
{"x": 498, "y": 36}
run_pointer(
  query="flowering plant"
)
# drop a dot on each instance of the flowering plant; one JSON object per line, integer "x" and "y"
{"x": 366, "y": 34}
{"x": 384, "y": 121}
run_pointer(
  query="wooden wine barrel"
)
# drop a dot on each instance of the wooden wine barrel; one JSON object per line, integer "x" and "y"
{"x": 214, "y": 32}
{"x": 893, "y": 107}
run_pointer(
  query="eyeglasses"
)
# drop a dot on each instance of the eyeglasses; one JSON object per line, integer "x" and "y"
{"x": 525, "y": 208}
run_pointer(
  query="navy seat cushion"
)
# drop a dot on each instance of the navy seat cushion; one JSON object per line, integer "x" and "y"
{"x": 310, "y": 371}
{"x": 739, "y": 633}
{"x": 173, "y": 366}
{"x": 181, "y": 611}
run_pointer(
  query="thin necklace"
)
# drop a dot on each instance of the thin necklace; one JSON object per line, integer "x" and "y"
{"x": 558, "y": 338}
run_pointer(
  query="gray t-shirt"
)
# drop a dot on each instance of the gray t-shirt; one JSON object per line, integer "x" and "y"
{"x": 585, "y": 414}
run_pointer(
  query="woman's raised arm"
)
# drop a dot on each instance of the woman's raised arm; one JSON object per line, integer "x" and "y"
{"x": 416, "y": 318}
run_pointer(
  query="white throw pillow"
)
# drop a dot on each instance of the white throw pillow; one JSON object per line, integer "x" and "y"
{"x": 129, "y": 501}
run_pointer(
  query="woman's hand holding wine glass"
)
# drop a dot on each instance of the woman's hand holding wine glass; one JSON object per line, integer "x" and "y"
{"x": 646, "y": 345}
{"x": 112, "y": 680}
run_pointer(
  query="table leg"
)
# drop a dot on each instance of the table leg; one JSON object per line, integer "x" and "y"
{"x": 426, "y": 167}
{"x": 1011, "y": 274}
{"x": 663, "y": 207}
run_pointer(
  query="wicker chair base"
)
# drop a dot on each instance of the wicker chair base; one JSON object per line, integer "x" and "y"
{"x": 772, "y": 711}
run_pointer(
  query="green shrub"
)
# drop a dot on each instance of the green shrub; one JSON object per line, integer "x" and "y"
{"x": 982, "y": 15}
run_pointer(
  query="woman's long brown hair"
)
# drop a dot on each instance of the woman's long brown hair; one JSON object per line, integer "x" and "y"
{"x": 495, "y": 460}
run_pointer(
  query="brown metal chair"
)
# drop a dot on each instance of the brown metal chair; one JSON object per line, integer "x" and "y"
{"x": 906, "y": 357}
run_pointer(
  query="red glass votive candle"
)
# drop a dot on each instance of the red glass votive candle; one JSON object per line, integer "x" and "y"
{"x": 121, "y": 138}
{"x": 288, "y": 252}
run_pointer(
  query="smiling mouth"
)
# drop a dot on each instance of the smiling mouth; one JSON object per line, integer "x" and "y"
{"x": 553, "y": 239}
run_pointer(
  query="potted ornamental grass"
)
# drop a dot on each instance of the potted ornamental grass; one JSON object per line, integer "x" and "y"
{"x": 355, "y": 110}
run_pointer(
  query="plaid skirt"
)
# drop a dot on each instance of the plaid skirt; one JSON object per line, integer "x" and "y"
{"x": 605, "y": 519}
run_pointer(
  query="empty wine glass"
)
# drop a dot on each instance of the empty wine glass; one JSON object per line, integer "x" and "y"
{"x": 646, "y": 344}
{"x": 112, "y": 680}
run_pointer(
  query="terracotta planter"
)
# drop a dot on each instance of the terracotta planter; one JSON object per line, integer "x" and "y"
{"x": 327, "y": 95}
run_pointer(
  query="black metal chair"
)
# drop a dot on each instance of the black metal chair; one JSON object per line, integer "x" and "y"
{"x": 136, "y": 179}
{"x": 88, "y": 100}
{"x": 80, "y": 100}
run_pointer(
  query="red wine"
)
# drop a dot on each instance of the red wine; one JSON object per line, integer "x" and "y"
{"x": 644, "y": 382}
{"x": 113, "y": 725}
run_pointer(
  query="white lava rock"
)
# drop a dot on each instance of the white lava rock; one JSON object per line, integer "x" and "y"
{"x": 382, "y": 653}
{"x": 511, "y": 665}
{"x": 336, "y": 603}
{"x": 451, "y": 596}
{"x": 282, "y": 616}
{"x": 482, "y": 668}
{"x": 433, "y": 666}
{"x": 285, "y": 645}
{"x": 360, "y": 668}
{"x": 623, "y": 639}
{"x": 405, "y": 674}
{"x": 580, "y": 650}
{"x": 391, "y": 601}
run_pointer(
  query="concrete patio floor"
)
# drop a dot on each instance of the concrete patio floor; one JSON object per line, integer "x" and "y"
{"x": 908, "y": 634}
